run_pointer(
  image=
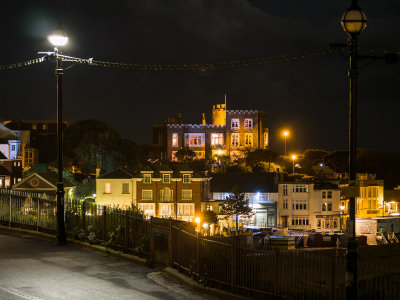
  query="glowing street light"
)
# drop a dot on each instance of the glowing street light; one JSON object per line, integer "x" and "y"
{"x": 58, "y": 39}
{"x": 293, "y": 158}
{"x": 285, "y": 134}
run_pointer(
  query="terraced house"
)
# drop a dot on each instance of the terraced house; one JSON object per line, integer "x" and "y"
{"x": 172, "y": 194}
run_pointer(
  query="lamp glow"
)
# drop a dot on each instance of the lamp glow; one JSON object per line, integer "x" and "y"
{"x": 354, "y": 20}
{"x": 197, "y": 220}
{"x": 58, "y": 38}
{"x": 294, "y": 157}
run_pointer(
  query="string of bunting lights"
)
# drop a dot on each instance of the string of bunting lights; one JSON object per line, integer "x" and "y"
{"x": 192, "y": 67}
{"x": 24, "y": 63}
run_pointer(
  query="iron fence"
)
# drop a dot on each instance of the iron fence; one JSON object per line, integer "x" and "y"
{"x": 266, "y": 273}
{"x": 123, "y": 230}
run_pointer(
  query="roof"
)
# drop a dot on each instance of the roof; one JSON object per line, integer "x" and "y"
{"x": 42, "y": 181}
{"x": 247, "y": 182}
{"x": 119, "y": 173}
{"x": 391, "y": 195}
{"x": 3, "y": 170}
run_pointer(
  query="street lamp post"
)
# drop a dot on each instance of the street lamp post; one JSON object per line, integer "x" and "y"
{"x": 285, "y": 135}
{"x": 353, "y": 22}
{"x": 58, "y": 39}
{"x": 293, "y": 158}
{"x": 341, "y": 217}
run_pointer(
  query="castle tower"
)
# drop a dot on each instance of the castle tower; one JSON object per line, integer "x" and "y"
{"x": 219, "y": 114}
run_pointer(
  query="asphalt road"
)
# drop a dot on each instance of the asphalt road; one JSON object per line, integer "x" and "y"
{"x": 32, "y": 268}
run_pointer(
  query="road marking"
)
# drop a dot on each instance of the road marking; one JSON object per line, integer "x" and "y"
{"x": 18, "y": 293}
{"x": 158, "y": 277}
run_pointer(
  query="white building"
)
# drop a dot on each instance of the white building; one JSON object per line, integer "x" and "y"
{"x": 116, "y": 188}
{"x": 309, "y": 206}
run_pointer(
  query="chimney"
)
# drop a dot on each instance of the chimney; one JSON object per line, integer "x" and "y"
{"x": 203, "y": 119}
{"x": 178, "y": 118}
{"x": 98, "y": 170}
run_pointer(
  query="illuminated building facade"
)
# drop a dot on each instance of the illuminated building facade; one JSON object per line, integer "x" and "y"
{"x": 230, "y": 132}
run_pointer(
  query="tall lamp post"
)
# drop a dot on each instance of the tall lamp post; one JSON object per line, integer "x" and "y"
{"x": 293, "y": 158}
{"x": 353, "y": 22}
{"x": 285, "y": 135}
{"x": 58, "y": 39}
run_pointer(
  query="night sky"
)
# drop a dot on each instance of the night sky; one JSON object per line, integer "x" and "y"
{"x": 308, "y": 96}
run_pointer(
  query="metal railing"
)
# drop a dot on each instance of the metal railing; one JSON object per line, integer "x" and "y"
{"x": 123, "y": 230}
{"x": 223, "y": 264}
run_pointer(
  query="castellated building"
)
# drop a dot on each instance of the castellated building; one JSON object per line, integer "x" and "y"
{"x": 230, "y": 133}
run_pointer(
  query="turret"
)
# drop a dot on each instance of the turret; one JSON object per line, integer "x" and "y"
{"x": 219, "y": 115}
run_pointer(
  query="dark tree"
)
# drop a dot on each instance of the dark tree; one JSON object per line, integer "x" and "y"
{"x": 236, "y": 205}
{"x": 88, "y": 142}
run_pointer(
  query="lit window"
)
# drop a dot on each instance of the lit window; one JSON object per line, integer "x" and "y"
{"x": 248, "y": 123}
{"x": 107, "y": 188}
{"x": 44, "y": 126}
{"x": 146, "y": 178}
{"x": 34, "y": 126}
{"x": 194, "y": 139}
{"x": 147, "y": 194}
{"x": 166, "y": 210}
{"x": 185, "y": 209}
{"x": 217, "y": 139}
{"x": 300, "y": 188}
{"x": 248, "y": 139}
{"x": 186, "y": 178}
{"x": 166, "y": 178}
{"x": 299, "y": 204}
{"x": 266, "y": 139}
{"x": 235, "y": 124}
{"x": 209, "y": 208}
{"x": 173, "y": 154}
{"x": 166, "y": 194}
{"x": 174, "y": 140}
{"x": 125, "y": 188}
{"x": 186, "y": 194}
{"x": 235, "y": 140}
{"x": 147, "y": 208}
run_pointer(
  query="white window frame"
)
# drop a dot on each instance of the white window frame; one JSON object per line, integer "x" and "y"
{"x": 299, "y": 204}
{"x": 187, "y": 195}
{"x": 285, "y": 190}
{"x": 147, "y": 194}
{"x": 166, "y": 178}
{"x": 175, "y": 139}
{"x": 171, "y": 196}
{"x": 149, "y": 209}
{"x": 285, "y": 204}
{"x": 147, "y": 178}
{"x": 248, "y": 123}
{"x": 235, "y": 123}
{"x": 125, "y": 188}
{"x": 185, "y": 209}
{"x": 217, "y": 139}
{"x": 194, "y": 139}
{"x": 300, "y": 221}
{"x": 300, "y": 188}
{"x": 186, "y": 178}
{"x": 248, "y": 139}
{"x": 166, "y": 210}
{"x": 235, "y": 140}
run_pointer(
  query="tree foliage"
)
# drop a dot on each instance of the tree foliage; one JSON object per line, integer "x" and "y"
{"x": 88, "y": 142}
{"x": 185, "y": 155}
{"x": 236, "y": 205}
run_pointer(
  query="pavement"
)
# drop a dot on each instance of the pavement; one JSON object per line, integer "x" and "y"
{"x": 36, "y": 269}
